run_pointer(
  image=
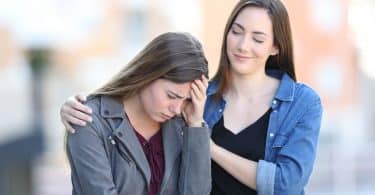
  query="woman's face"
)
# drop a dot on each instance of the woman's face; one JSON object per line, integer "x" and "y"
{"x": 163, "y": 99}
{"x": 250, "y": 41}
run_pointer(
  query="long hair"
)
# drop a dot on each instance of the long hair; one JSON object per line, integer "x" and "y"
{"x": 177, "y": 57}
{"x": 282, "y": 40}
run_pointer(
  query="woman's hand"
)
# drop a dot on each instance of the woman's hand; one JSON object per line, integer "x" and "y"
{"x": 73, "y": 111}
{"x": 193, "y": 110}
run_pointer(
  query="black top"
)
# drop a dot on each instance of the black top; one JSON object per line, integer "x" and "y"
{"x": 248, "y": 143}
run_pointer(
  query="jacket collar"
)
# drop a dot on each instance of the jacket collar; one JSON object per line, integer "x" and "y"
{"x": 172, "y": 141}
{"x": 287, "y": 86}
{"x": 111, "y": 108}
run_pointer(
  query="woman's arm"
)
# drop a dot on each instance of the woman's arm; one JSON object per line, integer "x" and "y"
{"x": 295, "y": 160}
{"x": 293, "y": 165}
{"x": 242, "y": 169}
{"x": 195, "y": 172}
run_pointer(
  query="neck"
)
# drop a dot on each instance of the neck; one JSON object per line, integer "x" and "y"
{"x": 251, "y": 86}
{"x": 139, "y": 119}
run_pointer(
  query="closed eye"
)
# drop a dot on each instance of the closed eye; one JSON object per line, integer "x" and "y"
{"x": 236, "y": 29}
{"x": 258, "y": 41}
{"x": 170, "y": 96}
{"x": 235, "y": 32}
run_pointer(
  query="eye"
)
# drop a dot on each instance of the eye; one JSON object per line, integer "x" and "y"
{"x": 258, "y": 40}
{"x": 170, "y": 96}
{"x": 235, "y": 30}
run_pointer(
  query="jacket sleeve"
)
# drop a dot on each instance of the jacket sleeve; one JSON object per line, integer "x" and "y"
{"x": 195, "y": 172}
{"x": 294, "y": 163}
{"x": 90, "y": 167}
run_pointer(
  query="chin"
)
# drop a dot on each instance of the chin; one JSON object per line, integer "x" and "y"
{"x": 159, "y": 119}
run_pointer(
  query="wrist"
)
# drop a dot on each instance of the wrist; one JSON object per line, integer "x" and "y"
{"x": 213, "y": 148}
{"x": 199, "y": 123}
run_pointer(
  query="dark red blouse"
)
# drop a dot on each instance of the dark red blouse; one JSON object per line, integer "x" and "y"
{"x": 153, "y": 150}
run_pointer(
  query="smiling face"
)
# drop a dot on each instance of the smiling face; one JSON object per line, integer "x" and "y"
{"x": 163, "y": 99}
{"x": 250, "y": 41}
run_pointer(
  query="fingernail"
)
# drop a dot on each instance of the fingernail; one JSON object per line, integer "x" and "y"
{"x": 90, "y": 119}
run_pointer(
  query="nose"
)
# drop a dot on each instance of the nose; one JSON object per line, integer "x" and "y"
{"x": 243, "y": 44}
{"x": 177, "y": 106}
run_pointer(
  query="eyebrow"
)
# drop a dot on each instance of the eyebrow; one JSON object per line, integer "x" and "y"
{"x": 175, "y": 94}
{"x": 242, "y": 28}
{"x": 178, "y": 96}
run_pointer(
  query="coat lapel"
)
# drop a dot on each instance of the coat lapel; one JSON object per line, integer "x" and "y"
{"x": 129, "y": 140}
{"x": 113, "y": 111}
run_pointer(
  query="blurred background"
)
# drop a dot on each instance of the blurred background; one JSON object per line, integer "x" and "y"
{"x": 52, "y": 49}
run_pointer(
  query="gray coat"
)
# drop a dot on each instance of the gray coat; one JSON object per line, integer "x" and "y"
{"x": 106, "y": 157}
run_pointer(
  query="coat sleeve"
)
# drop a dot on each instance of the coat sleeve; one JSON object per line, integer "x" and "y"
{"x": 90, "y": 168}
{"x": 195, "y": 173}
{"x": 294, "y": 162}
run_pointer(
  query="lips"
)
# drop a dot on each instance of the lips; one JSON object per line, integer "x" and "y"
{"x": 241, "y": 57}
{"x": 167, "y": 117}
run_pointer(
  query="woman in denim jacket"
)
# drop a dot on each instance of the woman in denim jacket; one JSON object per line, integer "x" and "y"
{"x": 265, "y": 125}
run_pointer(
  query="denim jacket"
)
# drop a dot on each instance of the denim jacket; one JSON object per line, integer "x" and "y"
{"x": 292, "y": 135}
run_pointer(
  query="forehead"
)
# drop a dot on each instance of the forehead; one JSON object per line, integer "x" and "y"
{"x": 254, "y": 19}
{"x": 181, "y": 89}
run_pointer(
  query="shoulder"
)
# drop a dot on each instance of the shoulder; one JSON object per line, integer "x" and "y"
{"x": 306, "y": 102}
{"x": 290, "y": 90}
{"x": 94, "y": 102}
{"x": 305, "y": 93}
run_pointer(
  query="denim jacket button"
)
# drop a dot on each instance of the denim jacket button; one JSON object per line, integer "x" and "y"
{"x": 220, "y": 110}
{"x": 271, "y": 134}
{"x": 274, "y": 101}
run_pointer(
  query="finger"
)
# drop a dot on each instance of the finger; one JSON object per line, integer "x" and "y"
{"x": 74, "y": 120}
{"x": 80, "y": 115}
{"x": 68, "y": 127}
{"x": 205, "y": 81}
{"x": 184, "y": 116}
{"x": 198, "y": 98}
{"x": 68, "y": 110}
{"x": 197, "y": 91}
{"x": 201, "y": 85}
{"x": 76, "y": 105}
{"x": 81, "y": 97}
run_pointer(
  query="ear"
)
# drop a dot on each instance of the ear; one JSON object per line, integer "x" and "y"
{"x": 274, "y": 51}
